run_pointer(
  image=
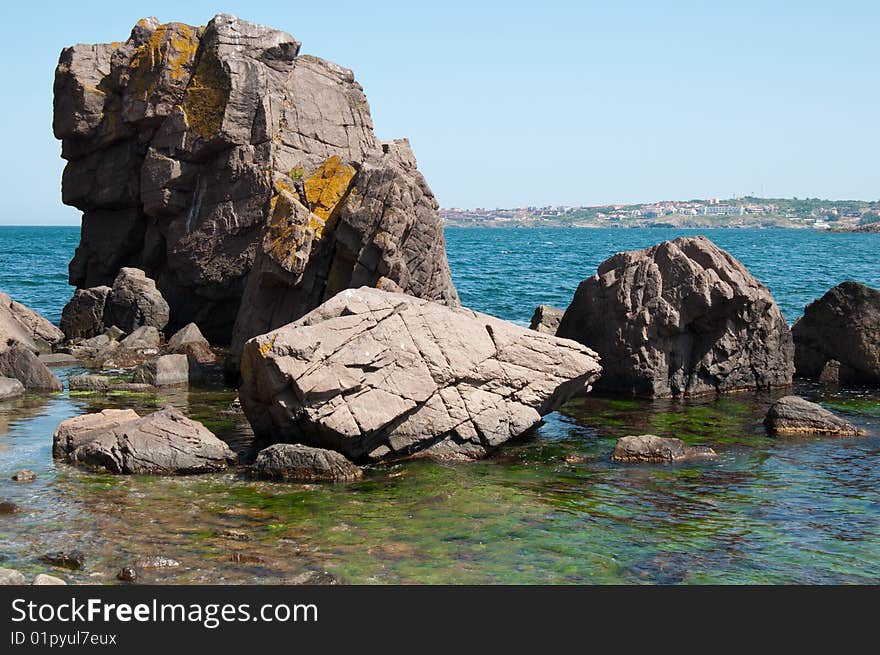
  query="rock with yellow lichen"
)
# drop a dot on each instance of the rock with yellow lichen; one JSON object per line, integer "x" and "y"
{"x": 243, "y": 177}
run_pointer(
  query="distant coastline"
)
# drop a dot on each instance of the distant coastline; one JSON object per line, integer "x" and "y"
{"x": 745, "y": 212}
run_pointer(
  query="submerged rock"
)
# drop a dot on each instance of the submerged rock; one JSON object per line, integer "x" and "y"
{"x": 161, "y": 443}
{"x": 73, "y": 560}
{"x": 164, "y": 371}
{"x": 682, "y": 317}
{"x": 792, "y": 415}
{"x": 24, "y": 475}
{"x": 837, "y": 340}
{"x": 298, "y": 462}
{"x": 651, "y": 448}
{"x": 189, "y": 150}
{"x": 546, "y": 319}
{"x": 19, "y": 362}
{"x": 134, "y": 301}
{"x": 88, "y": 383}
{"x": 83, "y": 315}
{"x": 127, "y": 574}
{"x": 373, "y": 374}
{"x": 10, "y": 388}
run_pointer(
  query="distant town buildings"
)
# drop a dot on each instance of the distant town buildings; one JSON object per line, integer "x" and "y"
{"x": 745, "y": 211}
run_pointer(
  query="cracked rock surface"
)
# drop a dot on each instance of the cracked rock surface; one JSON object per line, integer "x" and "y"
{"x": 682, "y": 317}
{"x": 161, "y": 443}
{"x": 200, "y": 153}
{"x": 374, "y": 374}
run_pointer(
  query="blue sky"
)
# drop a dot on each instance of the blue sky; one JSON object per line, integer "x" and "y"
{"x": 510, "y": 103}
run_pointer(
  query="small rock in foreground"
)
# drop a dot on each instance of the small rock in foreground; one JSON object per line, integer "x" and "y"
{"x": 10, "y": 388}
{"x": 298, "y": 462}
{"x": 11, "y": 577}
{"x": 651, "y": 448}
{"x": 42, "y": 580}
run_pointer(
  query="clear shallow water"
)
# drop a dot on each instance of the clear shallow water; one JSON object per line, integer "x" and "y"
{"x": 551, "y": 508}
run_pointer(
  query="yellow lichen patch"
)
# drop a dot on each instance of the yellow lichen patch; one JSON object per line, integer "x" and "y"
{"x": 286, "y": 236}
{"x": 266, "y": 346}
{"x": 169, "y": 52}
{"x": 206, "y": 96}
{"x": 327, "y": 186}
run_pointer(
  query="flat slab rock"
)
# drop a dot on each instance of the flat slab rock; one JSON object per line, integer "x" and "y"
{"x": 163, "y": 443}
{"x": 682, "y": 317}
{"x": 377, "y": 375}
{"x": 651, "y": 448}
{"x": 297, "y": 462}
{"x": 792, "y": 416}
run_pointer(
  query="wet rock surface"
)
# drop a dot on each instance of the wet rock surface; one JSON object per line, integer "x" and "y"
{"x": 193, "y": 152}
{"x": 651, "y": 448}
{"x": 680, "y": 318}
{"x": 292, "y": 462}
{"x": 837, "y": 340}
{"x": 374, "y": 375}
{"x": 793, "y": 416}
{"x": 73, "y": 560}
{"x": 162, "y": 443}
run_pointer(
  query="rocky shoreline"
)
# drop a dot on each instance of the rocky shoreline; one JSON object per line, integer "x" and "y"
{"x": 237, "y": 232}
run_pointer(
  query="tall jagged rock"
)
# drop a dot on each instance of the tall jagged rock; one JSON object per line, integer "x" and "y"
{"x": 682, "y": 317}
{"x": 194, "y": 152}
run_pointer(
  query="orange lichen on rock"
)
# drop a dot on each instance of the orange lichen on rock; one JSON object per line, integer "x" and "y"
{"x": 170, "y": 50}
{"x": 206, "y": 95}
{"x": 327, "y": 186}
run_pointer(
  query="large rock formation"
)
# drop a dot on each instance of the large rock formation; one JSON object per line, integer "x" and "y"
{"x": 682, "y": 317}
{"x": 374, "y": 375}
{"x": 134, "y": 302}
{"x": 194, "y": 152}
{"x": 838, "y": 337}
{"x": 83, "y": 316}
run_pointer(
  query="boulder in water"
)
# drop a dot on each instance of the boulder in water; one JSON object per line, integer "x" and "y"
{"x": 680, "y": 318}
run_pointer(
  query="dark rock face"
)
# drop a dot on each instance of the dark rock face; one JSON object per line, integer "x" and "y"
{"x": 194, "y": 151}
{"x": 297, "y": 462}
{"x": 651, "y": 448}
{"x": 83, "y": 316}
{"x": 134, "y": 301}
{"x": 792, "y": 416}
{"x": 837, "y": 339}
{"x": 20, "y": 362}
{"x": 376, "y": 375}
{"x": 682, "y": 317}
{"x": 73, "y": 560}
{"x": 546, "y": 319}
{"x": 162, "y": 443}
